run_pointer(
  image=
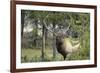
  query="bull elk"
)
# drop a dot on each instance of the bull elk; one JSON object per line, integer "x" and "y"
{"x": 64, "y": 44}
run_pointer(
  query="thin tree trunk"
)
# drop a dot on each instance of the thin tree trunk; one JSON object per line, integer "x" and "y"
{"x": 43, "y": 42}
{"x": 46, "y": 33}
{"x": 22, "y": 27}
{"x": 46, "y": 38}
{"x": 22, "y": 22}
{"x": 36, "y": 35}
{"x": 54, "y": 41}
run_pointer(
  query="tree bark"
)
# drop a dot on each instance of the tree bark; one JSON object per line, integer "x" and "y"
{"x": 54, "y": 41}
{"x": 36, "y": 34}
{"x": 22, "y": 22}
{"x": 43, "y": 42}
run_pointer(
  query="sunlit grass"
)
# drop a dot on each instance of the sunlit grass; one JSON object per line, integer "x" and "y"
{"x": 34, "y": 55}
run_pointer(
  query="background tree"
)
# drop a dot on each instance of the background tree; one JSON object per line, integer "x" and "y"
{"x": 22, "y": 22}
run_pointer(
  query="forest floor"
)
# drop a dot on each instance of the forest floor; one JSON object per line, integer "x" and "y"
{"x": 34, "y": 55}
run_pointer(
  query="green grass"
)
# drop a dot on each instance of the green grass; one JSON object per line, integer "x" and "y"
{"x": 34, "y": 55}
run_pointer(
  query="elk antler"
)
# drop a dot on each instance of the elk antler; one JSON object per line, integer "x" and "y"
{"x": 47, "y": 26}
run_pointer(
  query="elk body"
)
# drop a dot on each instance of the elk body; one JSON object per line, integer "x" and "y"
{"x": 64, "y": 46}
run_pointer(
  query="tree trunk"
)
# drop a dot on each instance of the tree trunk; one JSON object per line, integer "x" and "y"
{"x": 46, "y": 33}
{"x": 43, "y": 42}
{"x": 36, "y": 34}
{"x": 22, "y": 22}
{"x": 54, "y": 41}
